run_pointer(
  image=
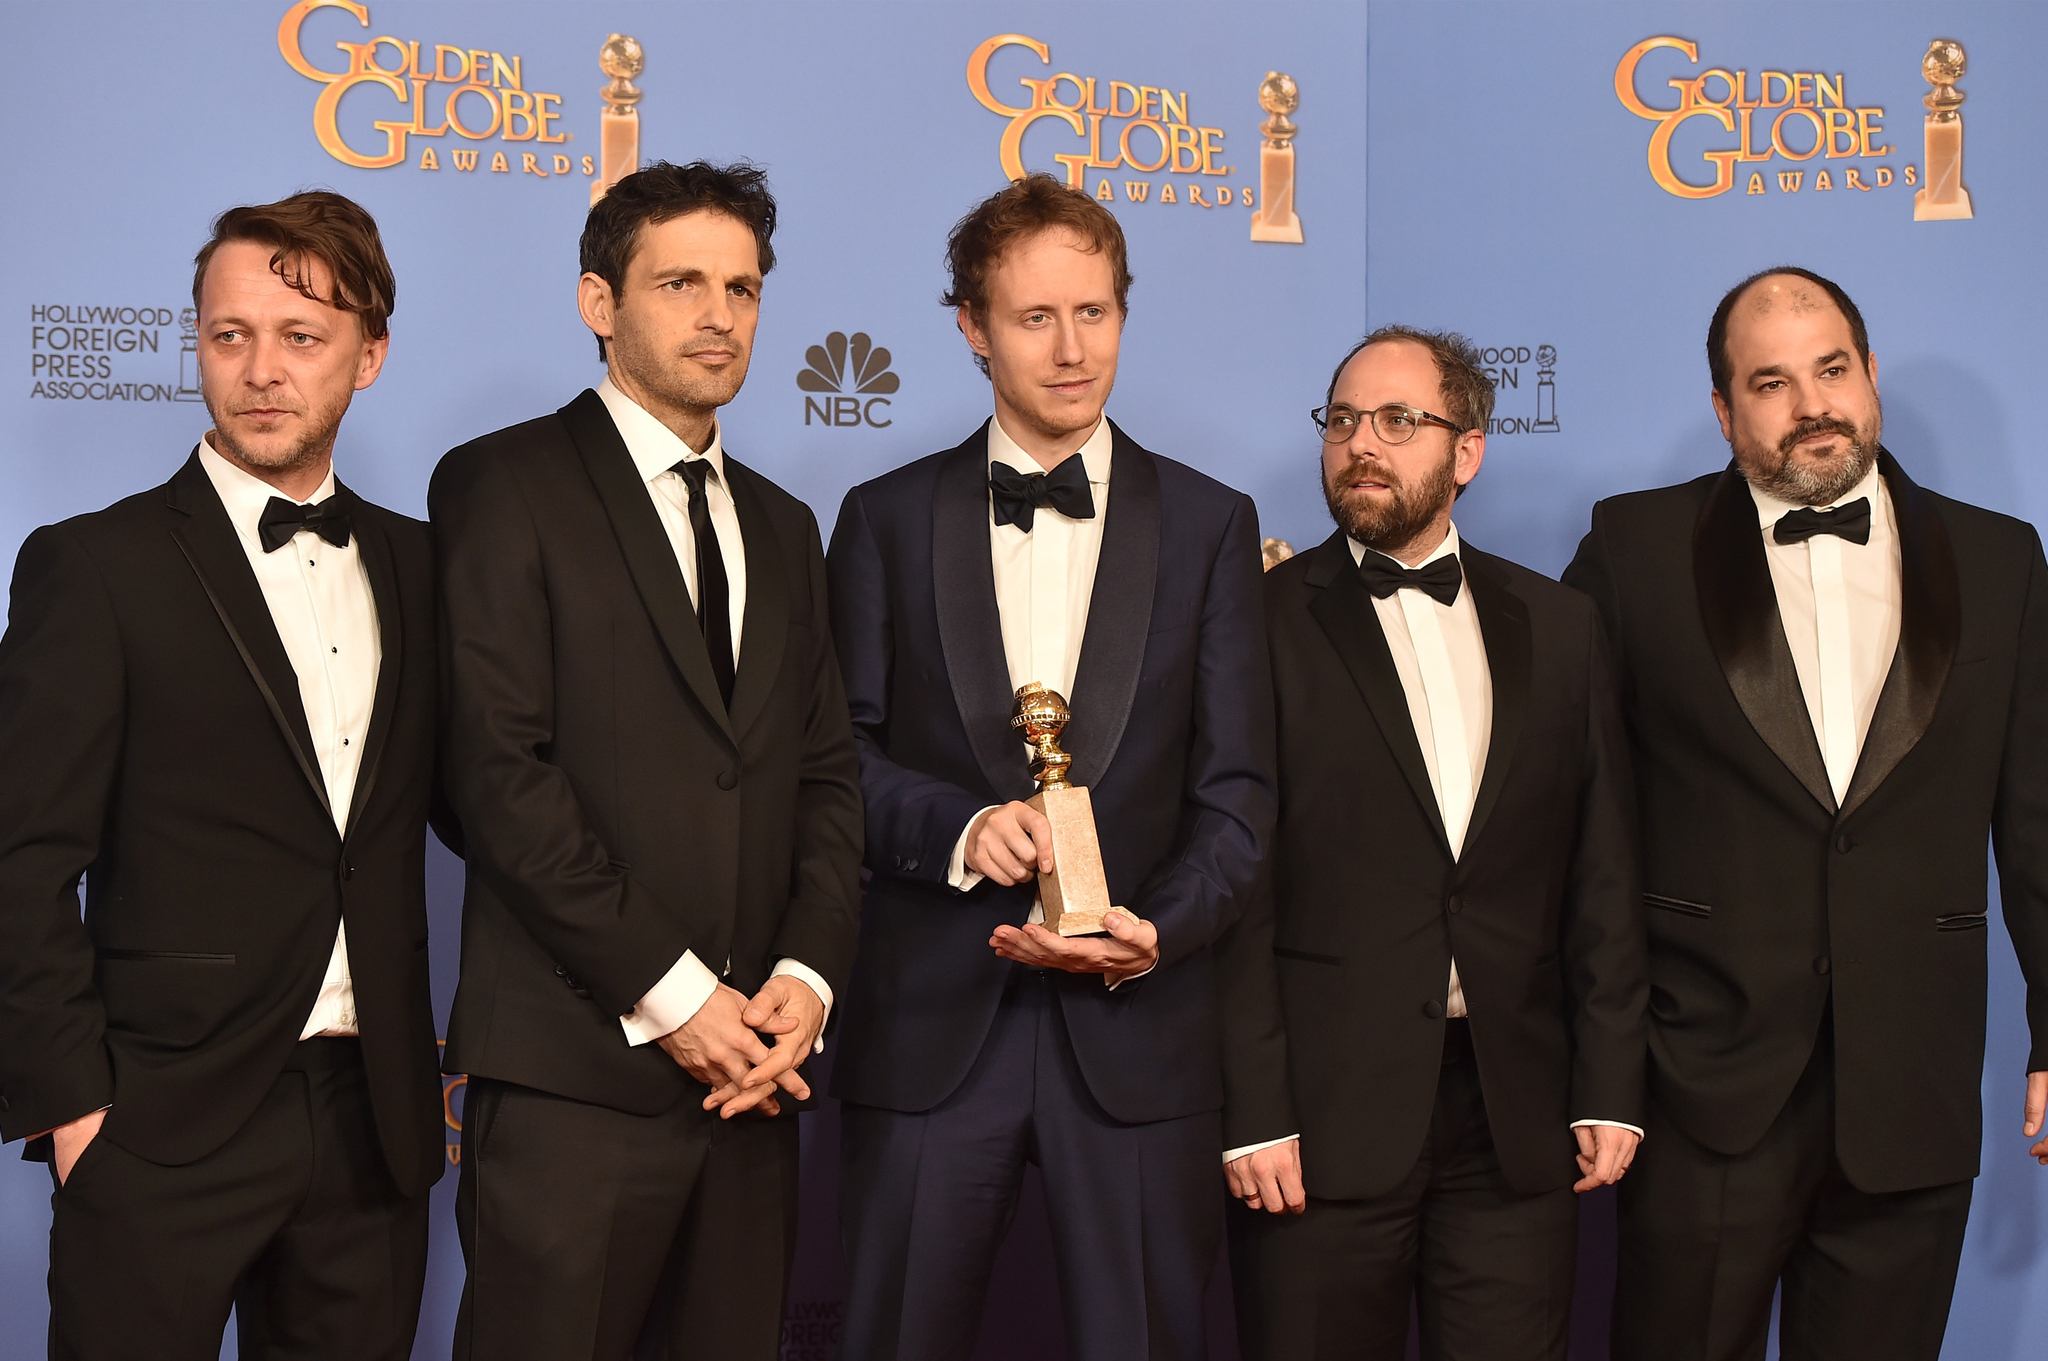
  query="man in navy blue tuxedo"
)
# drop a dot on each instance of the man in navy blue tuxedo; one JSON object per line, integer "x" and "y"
{"x": 1049, "y": 547}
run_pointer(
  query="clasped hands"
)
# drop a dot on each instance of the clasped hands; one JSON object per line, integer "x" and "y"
{"x": 1013, "y": 843}
{"x": 721, "y": 1045}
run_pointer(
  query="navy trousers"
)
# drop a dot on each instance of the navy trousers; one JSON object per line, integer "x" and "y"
{"x": 926, "y": 1198}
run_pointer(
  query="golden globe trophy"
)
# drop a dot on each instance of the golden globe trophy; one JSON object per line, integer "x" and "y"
{"x": 1943, "y": 197}
{"x": 619, "y": 124}
{"x": 1274, "y": 219}
{"x": 1075, "y": 894}
{"x": 1273, "y": 552}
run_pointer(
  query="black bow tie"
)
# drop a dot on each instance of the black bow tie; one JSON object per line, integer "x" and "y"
{"x": 1438, "y": 580}
{"x": 281, "y": 519}
{"x": 1016, "y": 496}
{"x": 1851, "y": 521}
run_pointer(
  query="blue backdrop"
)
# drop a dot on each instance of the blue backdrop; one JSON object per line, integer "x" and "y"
{"x": 1468, "y": 165}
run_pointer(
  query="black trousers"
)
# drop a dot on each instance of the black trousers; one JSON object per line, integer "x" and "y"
{"x": 294, "y": 1223}
{"x": 1706, "y": 1238}
{"x": 926, "y": 1199}
{"x": 1490, "y": 1269}
{"x": 589, "y": 1231}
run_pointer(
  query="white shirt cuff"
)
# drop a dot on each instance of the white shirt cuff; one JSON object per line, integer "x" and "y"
{"x": 805, "y": 974}
{"x": 1231, "y": 1155}
{"x": 670, "y": 1004}
{"x": 1612, "y": 1124}
{"x": 1132, "y": 979}
{"x": 958, "y": 876}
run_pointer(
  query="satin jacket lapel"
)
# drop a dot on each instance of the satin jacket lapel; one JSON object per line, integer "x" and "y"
{"x": 208, "y": 541}
{"x": 970, "y": 628}
{"x": 374, "y": 547}
{"x": 1739, "y": 610}
{"x": 764, "y": 633}
{"x": 1930, "y": 624}
{"x": 1119, "y": 612}
{"x": 650, "y": 557}
{"x": 1344, "y": 608}
{"x": 1504, "y": 628}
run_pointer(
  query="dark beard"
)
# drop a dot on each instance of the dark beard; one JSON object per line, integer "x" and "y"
{"x": 1397, "y": 522}
{"x": 1777, "y": 474}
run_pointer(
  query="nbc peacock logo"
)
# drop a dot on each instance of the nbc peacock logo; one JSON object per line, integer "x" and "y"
{"x": 851, "y": 392}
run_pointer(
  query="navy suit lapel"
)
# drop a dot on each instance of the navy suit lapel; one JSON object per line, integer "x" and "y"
{"x": 373, "y": 545}
{"x": 209, "y": 543}
{"x": 1930, "y": 624}
{"x": 765, "y": 631}
{"x": 970, "y": 628}
{"x": 650, "y": 557}
{"x": 1739, "y": 611}
{"x": 1344, "y": 608}
{"x": 1504, "y": 627}
{"x": 1119, "y": 612}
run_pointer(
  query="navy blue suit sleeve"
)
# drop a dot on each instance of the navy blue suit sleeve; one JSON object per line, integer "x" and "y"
{"x": 1228, "y": 805}
{"x": 913, "y": 819}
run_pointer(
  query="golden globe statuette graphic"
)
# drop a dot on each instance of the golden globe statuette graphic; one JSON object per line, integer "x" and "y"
{"x": 1274, "y": 219}
{"x": 619, "y": 124}
{"x": 1075, "y": 894}
{"x": 1943, "y": 198}
{"x": 1273, "y": 552}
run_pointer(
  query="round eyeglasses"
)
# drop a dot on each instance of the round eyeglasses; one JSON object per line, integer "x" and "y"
{"x": 1395, "y": 423}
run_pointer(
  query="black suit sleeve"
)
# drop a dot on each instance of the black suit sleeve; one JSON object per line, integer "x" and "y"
{"x": 1228, "y": 805}
{"x": 822, "y": 923}
{"x": 1591, "y": 571}
{"x": 912, "y": 818}
{"x": 1258, "y": 1101}
{"x": 62, "y": 712}
{"x": 1604, "y": 951}
{"x": 523, "y": 828}
{"x": 2019, "y": 820}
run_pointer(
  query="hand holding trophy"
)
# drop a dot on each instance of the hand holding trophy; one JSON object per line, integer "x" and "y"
{"x": 1074, "y": 893}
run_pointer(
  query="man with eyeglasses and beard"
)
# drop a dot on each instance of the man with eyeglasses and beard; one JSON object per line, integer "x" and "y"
{"x": 1435, "y": 1031}
{"x": 1836, "y": 685}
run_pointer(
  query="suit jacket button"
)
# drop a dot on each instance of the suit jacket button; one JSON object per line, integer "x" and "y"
{"x": 1821, "y": 965}
{"x": 348, "y": 871}
{"x": 910, "y": 865}
{"x": 1845, "y": 843}
{"x": 561, "y": 971}
{"x": 728, "y": 779}
{"x": 1455, "y": 905}
{"x": 1433, "y": 1009}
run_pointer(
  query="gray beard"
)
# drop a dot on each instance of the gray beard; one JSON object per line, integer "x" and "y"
{"x": 1809, "y": 486}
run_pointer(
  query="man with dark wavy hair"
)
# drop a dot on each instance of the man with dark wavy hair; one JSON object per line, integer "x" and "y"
{"x": 1836, "y": 686}
{"x": 647, "y": 731}
{"x": 1049, "y": 547}
{"x": 217, "y": 703}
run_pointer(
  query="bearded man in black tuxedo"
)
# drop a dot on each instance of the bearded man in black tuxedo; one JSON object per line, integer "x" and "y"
{"x": 1836, "y": 686}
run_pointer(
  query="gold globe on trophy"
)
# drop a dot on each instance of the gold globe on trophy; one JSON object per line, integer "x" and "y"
{"x": 1075, "y": 892}
{"x": 619, "y": 124}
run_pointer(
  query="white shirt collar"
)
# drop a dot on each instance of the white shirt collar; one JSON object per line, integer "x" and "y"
{"x": 244, "y": 494}
{"x": 1095, "y": 452}
{"x": 1770, "y": 510}
{"x": 1444, "y": 549}
{"x": 655, "y": 448}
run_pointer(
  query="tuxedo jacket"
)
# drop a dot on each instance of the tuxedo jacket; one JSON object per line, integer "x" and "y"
{"x": 1338, "y": 974}
{"x": 621, "y": 813}
{"x": 152, "y": 739}
{"x": 1767, "y": 899}
{"x": 1171, "y": 733}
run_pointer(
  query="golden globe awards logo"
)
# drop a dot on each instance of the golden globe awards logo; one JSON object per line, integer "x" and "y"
{"x": 1524, "y": 381}
{"x": 461, "y": 94}
{"x": 849, "y": 393}
{"x": 1782, "y": 119}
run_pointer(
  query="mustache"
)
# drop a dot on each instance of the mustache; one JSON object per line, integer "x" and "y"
{"x": 1816, "y": 425}
{"x": 1365, "y": 468}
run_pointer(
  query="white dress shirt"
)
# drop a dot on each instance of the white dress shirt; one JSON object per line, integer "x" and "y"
{"x": 1045, "y": 581}
{"x": 326, "y": 617}
{"x": 1440, "y": 654}
{"x": 656, "y": 449}
{"x": 1840, "y": 604}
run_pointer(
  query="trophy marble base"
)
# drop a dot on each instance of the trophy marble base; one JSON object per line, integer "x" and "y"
{"x": 1075, "y": 895}
{"x": 1927, "y": 210}
{"x": 1275, "y": 218}
{"x": 1943, "y": 199}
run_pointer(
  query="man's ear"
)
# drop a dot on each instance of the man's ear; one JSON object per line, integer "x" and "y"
{"x": 977, "y": 338}
{"x": 1725, "y": 415}
{"x": 371, "y": 362}
{"x": 594, "y": 300}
